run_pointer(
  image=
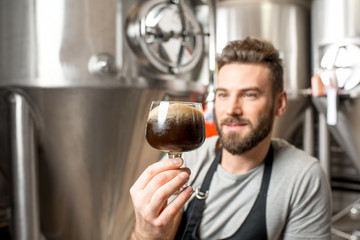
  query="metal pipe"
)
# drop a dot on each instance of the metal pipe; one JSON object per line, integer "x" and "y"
{"x": 324, "y": 145}
{"x": 24, "y": 182}
{"x": 212, "y": 37}
{"x": 308, "y": 131}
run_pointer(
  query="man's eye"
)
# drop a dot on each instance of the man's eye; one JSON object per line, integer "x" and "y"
{"x": 250, "y": 95}
{"x": 221, "y": 95}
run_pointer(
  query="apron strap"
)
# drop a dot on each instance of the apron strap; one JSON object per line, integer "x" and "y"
{"x": 199, "y": 200}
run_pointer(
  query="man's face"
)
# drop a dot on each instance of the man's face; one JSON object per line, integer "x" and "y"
{"x": 244, "y": 106}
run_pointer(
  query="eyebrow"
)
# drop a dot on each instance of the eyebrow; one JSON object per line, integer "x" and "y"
{"x": 241, "y": 89}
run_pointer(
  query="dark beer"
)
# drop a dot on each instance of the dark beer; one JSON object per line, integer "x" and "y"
{"x": 180, "y": 129}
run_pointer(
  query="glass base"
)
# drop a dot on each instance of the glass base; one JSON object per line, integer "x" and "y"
{"x": 175, "y": 154}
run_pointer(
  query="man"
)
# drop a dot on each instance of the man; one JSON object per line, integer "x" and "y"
{"x": 248, "y": 186}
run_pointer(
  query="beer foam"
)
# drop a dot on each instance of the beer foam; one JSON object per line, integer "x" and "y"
{"x": 175, "y": 111}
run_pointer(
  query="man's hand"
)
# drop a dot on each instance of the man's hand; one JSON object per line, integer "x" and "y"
{"x": 150, "y": 194}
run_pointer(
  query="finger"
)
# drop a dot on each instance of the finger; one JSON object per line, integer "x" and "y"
{"x": 175, "y": 206}
{"x": 163, "y": 178}
{"x": 155, "y": 169}
{"x": 161, "y": 196}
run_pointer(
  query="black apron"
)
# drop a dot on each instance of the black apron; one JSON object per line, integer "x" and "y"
{"x": 254, "y": 226}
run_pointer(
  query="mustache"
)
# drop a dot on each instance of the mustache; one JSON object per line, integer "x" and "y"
{"x": 236, "y": 120}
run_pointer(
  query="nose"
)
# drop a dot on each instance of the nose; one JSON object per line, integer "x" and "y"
{"x": 234, "y": 106}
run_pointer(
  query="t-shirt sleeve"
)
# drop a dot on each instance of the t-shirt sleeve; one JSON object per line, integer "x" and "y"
{"x": 310, "y": 213}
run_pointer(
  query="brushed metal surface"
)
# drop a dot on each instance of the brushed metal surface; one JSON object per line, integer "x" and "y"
{"x": 25, "y": 205}
{"x": 338, "y": 22}
{"x": 345, "y": 131}
{"x": 91, "y": 150}
{"x": 90, "y": 146}
{"x": 50, "y": 44}
{"x": 334, "y": 20}
{"x": 284, "y": 23}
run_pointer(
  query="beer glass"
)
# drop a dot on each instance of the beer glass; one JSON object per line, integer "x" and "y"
{"x": 175, "y": 127}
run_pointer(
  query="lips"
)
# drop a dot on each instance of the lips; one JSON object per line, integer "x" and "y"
{"x": 234, "y": 122}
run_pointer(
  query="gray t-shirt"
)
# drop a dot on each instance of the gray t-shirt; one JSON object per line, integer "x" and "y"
{"x": 298, "y": 202}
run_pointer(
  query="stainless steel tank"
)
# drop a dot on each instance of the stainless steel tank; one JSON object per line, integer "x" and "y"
{"x": 336, "y": 58}
{"x": 285, "y": 23}
{"x": 336, "y": 49}
{"x": 76, "y": 81}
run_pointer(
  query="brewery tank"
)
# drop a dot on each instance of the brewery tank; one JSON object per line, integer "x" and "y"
{"x": 76, "y": 81}
{"x": 285, "y": 23}
{"x": 336, "y": 49}
{"x": 335, "y": 31}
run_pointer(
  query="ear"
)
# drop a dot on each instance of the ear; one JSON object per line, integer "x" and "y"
{"x": 280, "y": 103}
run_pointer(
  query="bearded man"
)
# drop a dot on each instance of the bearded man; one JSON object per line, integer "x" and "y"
{"x": 243, "y": 184}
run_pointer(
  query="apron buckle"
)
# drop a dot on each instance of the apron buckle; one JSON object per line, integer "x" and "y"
{"x": 200, "y": 195}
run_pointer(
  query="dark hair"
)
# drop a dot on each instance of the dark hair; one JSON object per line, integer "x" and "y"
{"x": 255, "y": 51}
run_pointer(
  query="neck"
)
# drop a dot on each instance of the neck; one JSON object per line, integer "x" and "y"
{"x": 239, "y": 164}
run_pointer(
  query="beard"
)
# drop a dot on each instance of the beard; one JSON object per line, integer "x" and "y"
{"x": 237, "y": 145}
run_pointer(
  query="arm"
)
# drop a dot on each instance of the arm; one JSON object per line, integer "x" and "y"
{"x": 154, "y": 217}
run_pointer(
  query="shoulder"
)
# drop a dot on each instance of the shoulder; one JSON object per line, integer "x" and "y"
{"x": 294, "y": 166}
{"x": 287, "y": 155}
{"x": 296, "y": 174}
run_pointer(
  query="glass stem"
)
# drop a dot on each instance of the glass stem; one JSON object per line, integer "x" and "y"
{"x": 175, "y": 154}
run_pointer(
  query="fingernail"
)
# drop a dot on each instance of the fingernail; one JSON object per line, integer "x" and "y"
{"x": 177, "y": 161}
{"x": 189, "y": 189}
{"x": 185, "y": 175}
